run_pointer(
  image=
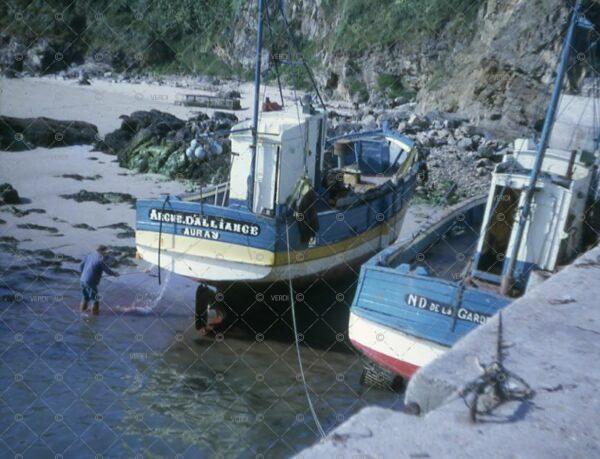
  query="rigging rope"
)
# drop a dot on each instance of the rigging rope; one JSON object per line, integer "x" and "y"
{"x": 276, "y": 57}
{"x": 160, "y": 225}
{"x": 299, "y": 53}
{"x": 296, "y": 339}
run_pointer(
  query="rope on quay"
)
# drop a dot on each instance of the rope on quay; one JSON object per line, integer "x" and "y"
{"x": 296, "y": 340}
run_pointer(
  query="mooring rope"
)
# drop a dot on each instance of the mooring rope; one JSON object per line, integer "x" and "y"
{"x": 296, "y": 339}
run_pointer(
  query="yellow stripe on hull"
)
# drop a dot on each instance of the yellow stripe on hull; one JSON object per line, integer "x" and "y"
{"x": 217, "y": 250}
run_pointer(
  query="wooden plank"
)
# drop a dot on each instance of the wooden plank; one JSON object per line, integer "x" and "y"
{"x": 202, "y": 100}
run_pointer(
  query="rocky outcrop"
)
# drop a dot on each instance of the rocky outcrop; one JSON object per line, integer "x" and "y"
{"x": 154, "y": 141}
{"x": 108, "y": 197}
{"x": 18, "y": 134}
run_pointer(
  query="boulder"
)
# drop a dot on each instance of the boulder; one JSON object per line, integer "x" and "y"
{"x": 418, "y": 122}
{"x": 8, "y": 195}
{"x": 466, "y": 143}
{"x": 369, "y": 122}
{"x": 18, "y": 134}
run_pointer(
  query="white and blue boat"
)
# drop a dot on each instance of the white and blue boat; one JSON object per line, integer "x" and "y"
{"x": 296, "y": 206}
{"x": 410, "y": 306}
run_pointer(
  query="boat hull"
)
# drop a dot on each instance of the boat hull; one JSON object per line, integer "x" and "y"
{"x": 225, "y": 245}
{"x": 223, "y": 264}
{"x": 391, "y": 348}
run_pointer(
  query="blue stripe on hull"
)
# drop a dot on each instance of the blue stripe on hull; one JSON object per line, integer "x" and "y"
{"x": 421, "y": 306}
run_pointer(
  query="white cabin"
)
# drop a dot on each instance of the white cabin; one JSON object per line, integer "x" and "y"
{"x": 289, "y": 143}
{"x": 554, "y": 231}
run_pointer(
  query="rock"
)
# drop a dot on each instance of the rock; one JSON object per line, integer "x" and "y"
{"x": 426, "y": 139}
{"x": 484, "y": 162}
{"x": 233, "y": 94}
{"x": 114, "y": 141}
{"x": 418, "y": 122}
{"x": 485, "y": 151}
{"x": 219, "y": 115}
{"x": 8, "y": 195}
{"x": 49, "y": 229}
{"x": 84, "y": 226}
{"x": 46, "y": 57}
{"x": 84, "y": 79}
{"x": 121, "y": 255}
{"x": 80, "y": 178}
{"x": 369, "y": 122}
{"x": 22, "y": 213}
{"x": 109, "y": 197}
{"x": 466, "y": 143}
{"x": 12, "y": 53}
{"x": 18, "y": 134}
{"x": 10, "y": 73}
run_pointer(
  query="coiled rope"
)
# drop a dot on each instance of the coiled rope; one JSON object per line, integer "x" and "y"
{"x": 296, "y": 339}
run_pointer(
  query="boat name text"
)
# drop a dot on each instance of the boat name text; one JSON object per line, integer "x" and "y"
{"x": 427, "y": 304}
{"x": 208, "y": 224}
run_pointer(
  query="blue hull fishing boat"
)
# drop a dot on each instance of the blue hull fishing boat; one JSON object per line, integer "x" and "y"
{"x": 296, "y": 207}
{"x": 409, "y": 308}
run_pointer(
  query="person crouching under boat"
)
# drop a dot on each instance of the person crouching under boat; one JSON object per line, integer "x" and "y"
{"x": 92, "y": 266}
{"x": 208, "y": 314}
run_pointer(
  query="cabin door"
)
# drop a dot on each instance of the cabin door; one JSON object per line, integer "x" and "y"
{"x": 265, "y": 179}
{"x": 499, "y": 229}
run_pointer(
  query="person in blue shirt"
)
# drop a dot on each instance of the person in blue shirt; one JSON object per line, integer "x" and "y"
{"x": 92, "y": 266}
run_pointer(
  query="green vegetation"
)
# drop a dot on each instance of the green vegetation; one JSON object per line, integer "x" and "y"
{"x": 163, "y": 35}
{"x": 392, "y": 87}
{"x": 358, "y": 89}
{"x": 363, "y": 24}
{"x": 442, "y": 193}
{"x": 189, "y": 36}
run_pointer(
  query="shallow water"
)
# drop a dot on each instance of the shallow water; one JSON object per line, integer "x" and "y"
{"x": 138, "y": 380}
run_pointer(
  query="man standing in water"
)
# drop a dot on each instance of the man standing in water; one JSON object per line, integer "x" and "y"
{"x": 92, "y": 266}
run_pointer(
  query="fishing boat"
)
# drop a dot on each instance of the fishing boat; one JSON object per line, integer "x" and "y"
{"x": 410, "y": 307}
{"x": 297, "y": 206}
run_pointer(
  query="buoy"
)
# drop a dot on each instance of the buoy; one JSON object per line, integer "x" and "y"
{"x": 193, "y": 143}
{"x": 216, "y": 148}
{"x": 189, "y": 153}
{"x": 200, "y": 153}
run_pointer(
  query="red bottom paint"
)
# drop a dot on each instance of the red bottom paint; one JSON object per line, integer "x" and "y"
{"x": 404, "y": 369}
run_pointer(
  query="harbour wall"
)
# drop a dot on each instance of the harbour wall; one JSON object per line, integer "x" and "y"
{"x": 551, "y": 339}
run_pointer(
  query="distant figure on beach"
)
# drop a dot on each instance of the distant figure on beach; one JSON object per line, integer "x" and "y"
{"x": 92, "y": 266}
{"x": 269, "y": 106}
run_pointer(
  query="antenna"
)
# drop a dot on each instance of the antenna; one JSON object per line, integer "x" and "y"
{"x": 259, "y": 43}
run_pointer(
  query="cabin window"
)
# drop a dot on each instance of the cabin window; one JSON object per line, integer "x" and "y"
{"x": 371, "y": 157}
{"x": 499, "y": 229}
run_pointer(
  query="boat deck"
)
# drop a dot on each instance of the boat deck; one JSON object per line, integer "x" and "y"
{"x": 449, "y": 258}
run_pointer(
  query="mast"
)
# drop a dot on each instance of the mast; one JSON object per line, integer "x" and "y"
{"x": 259, "y": 43}
{"x": 507, "y": 279}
